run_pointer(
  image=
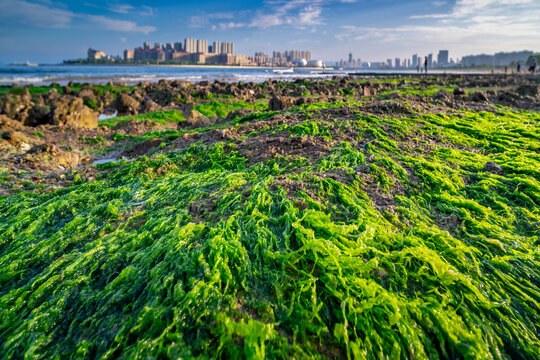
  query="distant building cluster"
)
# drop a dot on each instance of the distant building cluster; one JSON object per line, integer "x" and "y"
{"x": 198, "y": 51}
{"x": 498, "y": 59}
{"x": 443, "y": 60}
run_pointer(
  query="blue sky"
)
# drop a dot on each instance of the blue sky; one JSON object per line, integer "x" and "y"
{"x": 50, "y": 31}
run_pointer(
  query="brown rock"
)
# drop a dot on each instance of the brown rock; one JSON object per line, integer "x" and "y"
{"x": 7, "y": 124}
{"x": 493, "y": 168}
{"x": 149, "y": 106}
{"x": 459, "y": 91}
{"x": 279, "y": 103}
{"x": 125, "y": 104}
{"x": 70, "y": 111}
{"x": 37, "y": 115}
{"x": 196, "y": 120}
{"x": 529, "y": 90}
{"x": 48, "y": 156}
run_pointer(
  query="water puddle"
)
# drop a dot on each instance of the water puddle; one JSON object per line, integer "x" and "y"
{"x": 105, "y": 116}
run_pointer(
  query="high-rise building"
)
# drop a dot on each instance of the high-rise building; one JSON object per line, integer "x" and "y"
{"x": 430, "y": 60}
{"x": 95, "y": 54}
{"x": 397, "y": 62}
{"x": 146, "y": 45}
{"x": 190, "y": 45}
{"x": 157, "y": 45}
{"x": 202, "y": 46}
{"x": 227, "y": 48}
{"x": 415, "y": 60}
{"x": 128, "y": 55}
{"x": 178, "y": 46}
{"x": 389, "y": 62}
{"x": 216, "y": 47}
{"x": 442, "y": 57}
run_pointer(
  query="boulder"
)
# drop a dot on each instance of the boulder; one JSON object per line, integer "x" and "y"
{"x": 478, "y": 97}
{"x": 49, "y": 156}
{"x": 7, "y": 124}
{"x": 37, "y": 115}
{"x": 529, "y": 90}
{"x": 393, "y": 95}
{"x": 125, "y": 104}
{"x": 441, "y": 95}
{"x": 196, "y": 120}
{"x": 368, "y": 92}
{"x": 70, "y": 111}
{"x": 149, "y": 106}
{"x": 459, "y": 92}
{"x": 280, "y": 102}
{"x": 493, "y": 168}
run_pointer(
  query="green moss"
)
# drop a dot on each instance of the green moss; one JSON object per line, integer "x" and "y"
{"x": 161, "y": 117}
{"x": 396, "y": 243}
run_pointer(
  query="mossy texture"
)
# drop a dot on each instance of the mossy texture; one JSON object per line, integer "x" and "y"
{"x": 398, "y": 243}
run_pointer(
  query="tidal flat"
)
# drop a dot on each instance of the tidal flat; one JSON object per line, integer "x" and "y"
{"x": 379, "y": 217}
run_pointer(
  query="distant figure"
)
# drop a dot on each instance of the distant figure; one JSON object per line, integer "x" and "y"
{"x": 425, "y": 64}
{"x": 418, "y": 68}
{"x": 505, "y": 69}
{"x": 532, "y": 66}
{"x": 518, "y": 68}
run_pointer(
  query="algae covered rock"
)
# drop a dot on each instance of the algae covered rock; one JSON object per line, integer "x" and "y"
{"x": 70, "y": 111}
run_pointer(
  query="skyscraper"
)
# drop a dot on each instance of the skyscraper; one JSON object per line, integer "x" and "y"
{"x": 397, "y": 62}
{"x": 442, "y": 58}
{"x": 415, "y": 60}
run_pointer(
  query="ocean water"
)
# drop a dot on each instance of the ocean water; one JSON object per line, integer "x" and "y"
{"x": 62, "y": 74}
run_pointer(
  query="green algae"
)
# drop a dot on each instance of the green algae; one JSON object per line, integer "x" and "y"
{"x": 194, "y": 254}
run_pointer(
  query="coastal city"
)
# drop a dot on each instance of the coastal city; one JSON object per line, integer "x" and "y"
{"x": 199, "y": 51}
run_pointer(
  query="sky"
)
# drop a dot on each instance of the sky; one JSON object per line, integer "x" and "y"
{"x": 49, "y": 31}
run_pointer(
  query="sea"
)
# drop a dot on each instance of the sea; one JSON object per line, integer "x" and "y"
{"x": 63, "y": 74}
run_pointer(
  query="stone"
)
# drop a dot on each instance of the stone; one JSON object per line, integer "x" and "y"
{"x": 459, "y": 92}
{"x": 441, "y": 95}
{"x": 196, "y": 120}
{"x": 240, "y": 113}
{"x": 394, "y": 95}
{"x": 279, "y": 103}
{"x": 149, "y": 106}
{"x": 367, "y": 92}
{"x": 478, "y": 97}
{"x": 70, "y": 111}
{"x": 125, "y": 104}
{"x": 7, "y": 124}
{"x": 493, "y": 168}
{"x": 529, "y": 90}
{"x": 37, "y": 115}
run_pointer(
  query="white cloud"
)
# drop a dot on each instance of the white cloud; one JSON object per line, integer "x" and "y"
{"x": 121, "y": 25}
{"x": 147, "y": 11}
{"x": 121, "y": 8}
{"x": 298, "y": 13}
{"x": 24, "y": 12}
{"x": 230, "y": 25}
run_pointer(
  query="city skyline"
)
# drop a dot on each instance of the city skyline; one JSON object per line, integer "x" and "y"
{"x": 50, "y": 31}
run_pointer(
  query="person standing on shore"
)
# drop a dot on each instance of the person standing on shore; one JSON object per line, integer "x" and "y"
{"x": 425, "y": 64}
{"x": 532, "y": 66}
{"x": 518, "y": 68}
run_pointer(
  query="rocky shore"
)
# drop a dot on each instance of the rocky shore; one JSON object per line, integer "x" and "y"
{"x": 357, "y": 217}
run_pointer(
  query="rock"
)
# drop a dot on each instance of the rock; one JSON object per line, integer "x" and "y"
{"x": 149, "y": 106}
{"x": 7, "y": 124}
{"x": 493, "y": 168}
{"x": 529, "y": 90}
{"x": 86, "y": 94}
{"x": 125, "y": 104}
{"x": 279, "y": 103}
{"x": 367, "y": 91}
{"x": 459, "y": 92}
{"x": 37, "y": 115}
{"x": 441, "y": 95}
{"x": 478, "y": 97}
{"x": 47, "y": 156}
{"x": 70, "y": 111}
{"x": 196, "y": 120}
{"x": 394, "y": 95}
